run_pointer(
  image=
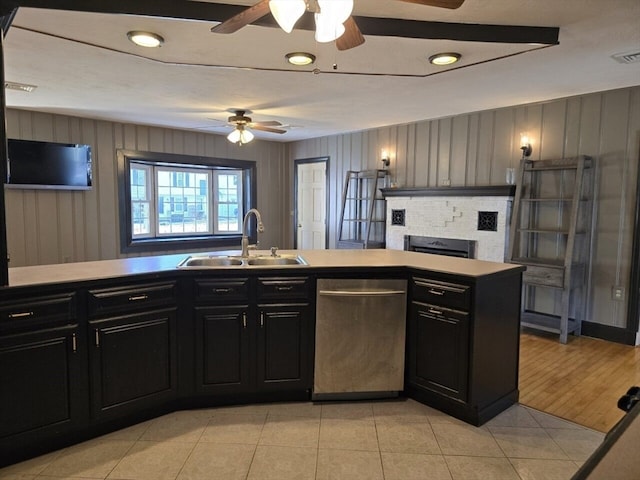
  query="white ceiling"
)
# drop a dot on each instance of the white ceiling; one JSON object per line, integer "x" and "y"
{"x": 83, "y": 65}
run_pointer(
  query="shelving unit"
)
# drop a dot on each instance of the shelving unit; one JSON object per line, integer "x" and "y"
{"x": 363, "y": 216}
{"x": 550, "y": 234}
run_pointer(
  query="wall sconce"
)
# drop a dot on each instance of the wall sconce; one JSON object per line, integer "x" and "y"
{"x": 386, "y": 161}
{"x": 525, "y": 145}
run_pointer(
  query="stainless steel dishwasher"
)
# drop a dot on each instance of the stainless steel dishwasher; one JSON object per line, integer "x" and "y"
{"x": 360, "y": 338}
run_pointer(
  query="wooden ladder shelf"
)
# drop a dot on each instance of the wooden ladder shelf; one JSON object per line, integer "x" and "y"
{"x": 363, "y": 215}
{"x": 550, "y": 234}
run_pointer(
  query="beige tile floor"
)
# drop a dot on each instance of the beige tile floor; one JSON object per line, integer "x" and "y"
{"x": 386, "y": 440}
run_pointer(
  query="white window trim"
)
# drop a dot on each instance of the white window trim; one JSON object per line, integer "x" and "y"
{"x": 150, "y": 198}
{"x": 216, "y": 202}
{"x": 153, "y": 196}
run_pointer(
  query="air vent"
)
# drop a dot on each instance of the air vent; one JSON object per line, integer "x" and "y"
{"x": 488, "y": 221}
{"x": 629, "y": 57}
{"x": 397, "y": 217}
{"x": 23, "y": 87}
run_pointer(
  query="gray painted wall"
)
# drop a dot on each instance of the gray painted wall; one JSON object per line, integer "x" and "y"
{"x": 56, "y": 226}
{"x": 476, "y": 149}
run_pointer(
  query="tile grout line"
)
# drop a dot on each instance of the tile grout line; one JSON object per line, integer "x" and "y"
{"x": 255, "y": 448}
{"x": 194, "y": 445}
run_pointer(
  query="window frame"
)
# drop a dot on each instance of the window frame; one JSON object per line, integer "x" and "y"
{"x": 131, "y": 244}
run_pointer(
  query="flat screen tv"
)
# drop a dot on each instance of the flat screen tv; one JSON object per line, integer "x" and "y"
{"x": 48, "y": 165}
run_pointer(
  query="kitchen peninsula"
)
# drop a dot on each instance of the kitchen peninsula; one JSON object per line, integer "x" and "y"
{"x": 90, "y": 347}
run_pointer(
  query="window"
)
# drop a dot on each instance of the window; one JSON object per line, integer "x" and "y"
{"x": 167, "y": 200}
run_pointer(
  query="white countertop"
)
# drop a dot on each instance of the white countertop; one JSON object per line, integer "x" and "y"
{"x": 83, "y": 271}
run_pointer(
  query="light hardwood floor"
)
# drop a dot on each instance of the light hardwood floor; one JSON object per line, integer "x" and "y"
{"x": 580, "y": 381}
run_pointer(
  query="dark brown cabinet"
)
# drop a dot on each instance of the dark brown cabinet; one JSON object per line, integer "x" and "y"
{"x": 462, "y": 344}
{"x": 284, "y": 349}
{"x": 42, "y": 372}
{"x": 253, "y": 335}
{"x": 222, "y": 350}
{"x": 132, "y": 356}
{"x": 439, "y": 349}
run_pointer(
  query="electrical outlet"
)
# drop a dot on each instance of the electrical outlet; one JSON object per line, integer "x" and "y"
{"x": 617, "y": 292}
{"x": 446, "y": 182}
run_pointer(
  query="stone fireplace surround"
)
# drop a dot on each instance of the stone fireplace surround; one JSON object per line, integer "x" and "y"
{"x": 451, "y": 212}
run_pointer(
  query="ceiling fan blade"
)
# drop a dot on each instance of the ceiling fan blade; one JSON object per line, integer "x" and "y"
{"x": 243, "y": 18}
{"x": 268, "y": 129}
{"x": 453, "y": 4}
{"x": 352, "y": 36}
{"x": 268, "y": 123}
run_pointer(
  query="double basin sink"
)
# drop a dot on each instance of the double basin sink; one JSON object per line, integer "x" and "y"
{"x": 213, "y": 261}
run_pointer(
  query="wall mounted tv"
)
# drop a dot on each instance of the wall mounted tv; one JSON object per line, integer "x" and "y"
{"x": 48, "y": 165}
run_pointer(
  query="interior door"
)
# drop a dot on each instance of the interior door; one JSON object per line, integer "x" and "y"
{"x": 311, "y": 205}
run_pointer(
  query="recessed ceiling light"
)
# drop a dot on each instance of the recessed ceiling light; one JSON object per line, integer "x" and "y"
{"x": 300, "y": 59}
{"x": 145, "y": 39}
{"x": 444, "y": 58}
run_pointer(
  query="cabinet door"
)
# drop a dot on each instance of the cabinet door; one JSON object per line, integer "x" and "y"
{"x": 133, "y": 362}
{"x": 41, "y": 383}
{"x": 439, "y": 349}
{"x": 284, "y": 351}
{"x": 222, "y": 350}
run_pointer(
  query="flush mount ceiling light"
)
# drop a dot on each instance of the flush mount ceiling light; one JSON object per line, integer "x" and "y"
{"x": 240, "y": 135}
{"x": 145, "y": 39}
{"x": 300, "y": 59}
{"x": 441, "y": 59}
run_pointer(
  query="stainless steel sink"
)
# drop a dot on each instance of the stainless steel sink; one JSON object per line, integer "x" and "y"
{"x": 279, "y": 260}
{"x": 210, "y": 262}
{"x": 214, "y": 261}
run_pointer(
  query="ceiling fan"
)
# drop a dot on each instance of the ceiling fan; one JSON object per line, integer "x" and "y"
{"x": 243, "y": 125}
{"x": 333, "y": 20}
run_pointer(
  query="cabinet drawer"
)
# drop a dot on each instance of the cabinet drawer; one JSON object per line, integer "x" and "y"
{"x": 126, "y": 299}
{"x": 446, "y": 294}
{"x": 283, "y": 288}
{"x": 223, "y": 290}
{"x": 26, "y": 313}
{"x": 547, "y": 276}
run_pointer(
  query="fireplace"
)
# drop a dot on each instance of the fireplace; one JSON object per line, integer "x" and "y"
{"x": 452, "y": 247}
{"x": 476, "y": 216}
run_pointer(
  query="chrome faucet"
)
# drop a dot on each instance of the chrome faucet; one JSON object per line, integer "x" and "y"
{"x": 245, "y": 228}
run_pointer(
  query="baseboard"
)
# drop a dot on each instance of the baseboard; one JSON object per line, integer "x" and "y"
{"x": 607, "y": 332}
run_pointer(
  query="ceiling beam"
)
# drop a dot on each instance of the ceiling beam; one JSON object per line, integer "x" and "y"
{"x": 219, "y": 12}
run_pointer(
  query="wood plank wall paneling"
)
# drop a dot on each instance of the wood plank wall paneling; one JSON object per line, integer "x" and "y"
{"x": 57, "y": 226}
{"x": 476, "y": 149}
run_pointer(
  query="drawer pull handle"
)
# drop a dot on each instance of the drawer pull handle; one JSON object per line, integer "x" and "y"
{"x": 244, "y": 320}
{"x": 20, "y": 315}
{"x": 435, "y": 312}
{"x": 262, "y": 319}
{"x": 136, "y": 298}
{"x": 436, "y": 292}
{"x": 74, "y": 343}
{"x": 97, "y": 337}
{"x": 222, "y": 290}
{"x": 284, "y": 288}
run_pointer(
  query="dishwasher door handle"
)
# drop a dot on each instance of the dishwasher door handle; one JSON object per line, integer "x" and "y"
{"x": 360, "y": 293}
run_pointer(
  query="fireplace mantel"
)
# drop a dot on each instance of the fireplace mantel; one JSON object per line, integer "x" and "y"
{"x": 475, "y": 191}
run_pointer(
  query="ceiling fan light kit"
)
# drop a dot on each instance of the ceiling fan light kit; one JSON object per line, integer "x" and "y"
{"x": 145, "y": 39}
{"x": 287, "y": 12}
{"x": 240, "y": 136}
{"x": 442, "y": 59}
{"x": 300, "y": 59}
